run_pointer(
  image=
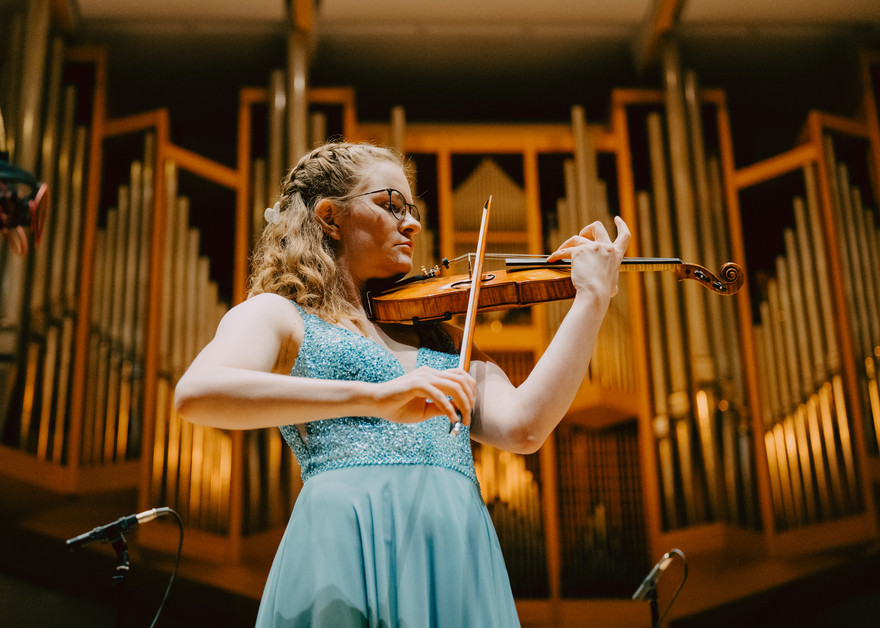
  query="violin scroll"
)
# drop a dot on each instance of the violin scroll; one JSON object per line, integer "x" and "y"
{"x": 732, "y": 277}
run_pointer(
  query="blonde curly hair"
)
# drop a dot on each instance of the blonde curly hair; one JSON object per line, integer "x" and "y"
{"x": 294, "y": 257}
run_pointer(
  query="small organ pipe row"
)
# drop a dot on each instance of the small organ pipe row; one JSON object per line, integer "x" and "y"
{"x": 191, "y": 464}
{"x": 807, "y": 428}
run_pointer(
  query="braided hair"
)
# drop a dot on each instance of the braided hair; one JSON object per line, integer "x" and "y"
{"x": 294, "y": 257}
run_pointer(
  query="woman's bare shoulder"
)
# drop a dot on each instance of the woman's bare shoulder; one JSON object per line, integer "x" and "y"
{"x": 266, "y": 309}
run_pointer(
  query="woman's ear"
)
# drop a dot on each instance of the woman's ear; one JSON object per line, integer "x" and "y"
{"x": 324, "y": 214}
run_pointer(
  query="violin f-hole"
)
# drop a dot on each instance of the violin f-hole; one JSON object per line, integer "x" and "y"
{"x": 466, "y": 283}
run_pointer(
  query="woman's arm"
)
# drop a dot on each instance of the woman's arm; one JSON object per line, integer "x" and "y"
{"x": 520, "y": 418}
{"x": 241, "y": 378}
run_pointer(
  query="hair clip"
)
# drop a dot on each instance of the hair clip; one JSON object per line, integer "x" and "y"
{"x": 273, "y": 214}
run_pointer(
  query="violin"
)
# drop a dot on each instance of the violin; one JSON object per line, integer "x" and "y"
{"x": 525, "y": 281}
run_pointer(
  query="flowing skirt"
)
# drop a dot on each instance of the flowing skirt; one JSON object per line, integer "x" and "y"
{"x": 407, "y": 545}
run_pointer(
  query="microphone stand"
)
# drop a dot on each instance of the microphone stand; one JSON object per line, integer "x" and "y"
{"x": 648, "y": 588}
{"x": 652, "y": 602}
{"x": 122, "y": 568}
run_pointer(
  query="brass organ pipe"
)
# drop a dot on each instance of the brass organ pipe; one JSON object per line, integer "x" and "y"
{"x": 259, "y": 200}
{"x": 803, "y": 357}
{"x": 141, "y": 307}
{"x": 789, "y": 516}
{"x": 276, "y": 159}
{"x": 775, "y": 478}
{"x": 586, "y": 169}
{"x": 832, "y": 362}
{"x": 829, "y": 405}
{"x": 254, "y": 499}
{"x": 398, "y": 127}
{"x": 101, "y": 379}
{"x": 114, "y": 385}
{"x": 568, "y": 219}
{"x": 703, "y": 215}
{"x": 779, "y": 374}
{"x": 130, "y": 288}
{"x": 791, "y": 449}
{"x": 849, "y": 500}
{"x": 702, "y": 369}
{"x": 730, "y": 364}
{"x": 868, "y": 269}
{"x": 872, "y": 234}
{"x": 660, "y": 386}
{"x": 785, "y": 317}
{"x": 149, "y": 202}
{"x": 317, "y": 126}
{"x": 189, "y": 339}
{"x": 813, "y": 409}
{"x": 665, "y": 246}
{"x": 178, "y": 345}
{"x": 297, "y": 101}
{"x": 50, "y": 370}
{"x": 813, "y": 342}
{"x": 839, "y": 199}
{"x": 815, "y": 338}
{"x": 48, "y": 162}
{"x": 853, "y": 266}
{"x": 789, "y": 358}
{"x": 71, "y": 268}
{"x": 873, "y": 248}
{"x": 28, "y": 395}
{"x": 10, "y": 80}
{"x": 129, "y": 269}
{"x": 164, "y": 401}
{"x": 867, "y": 301}
{"x": 678, "y": 402}
{"x": 802, "y": 343}
{"x": 799, "y": 420}
{"x": 201, "y": 316}
{"x": 858, "y": 313}
{"x": 763, "y": 350}
{"x": 777, "y": 330}
{"x": 169, "y": 270}
{"x": 191, "y": 330}
{"x": 61, "y": 215}
{"x": 30, "y": 90}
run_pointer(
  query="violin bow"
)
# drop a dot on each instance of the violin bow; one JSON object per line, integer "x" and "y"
{"x": 730, "y": 280}
{"x": 464, "y": 358}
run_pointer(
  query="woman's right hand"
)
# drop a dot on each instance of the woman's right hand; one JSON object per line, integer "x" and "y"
{"x": 425, "y": 393}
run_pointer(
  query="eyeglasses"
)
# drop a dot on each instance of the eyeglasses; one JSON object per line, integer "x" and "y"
{"x": 397, "y": 204}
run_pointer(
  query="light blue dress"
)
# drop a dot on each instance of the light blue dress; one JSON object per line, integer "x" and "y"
{"x": 389, "y": 528}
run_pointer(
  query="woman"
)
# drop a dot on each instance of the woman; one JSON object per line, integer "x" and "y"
{"x": 389, "y": 528}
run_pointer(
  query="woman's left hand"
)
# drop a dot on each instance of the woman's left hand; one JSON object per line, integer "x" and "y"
{"x": 595, "y": 259}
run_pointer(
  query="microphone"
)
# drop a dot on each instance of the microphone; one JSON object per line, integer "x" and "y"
{"x": 112, "y": 531}
{"x": 650, "y": 580}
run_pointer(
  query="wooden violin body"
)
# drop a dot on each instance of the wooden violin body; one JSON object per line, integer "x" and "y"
{"x": 440, "y": 298}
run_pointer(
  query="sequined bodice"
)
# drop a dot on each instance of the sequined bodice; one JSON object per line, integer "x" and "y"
{"x": 331, "y": 352}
